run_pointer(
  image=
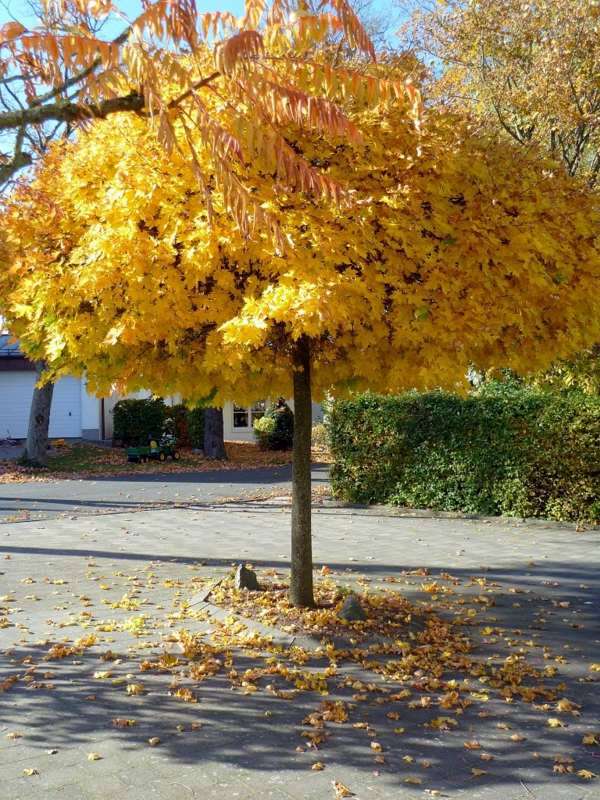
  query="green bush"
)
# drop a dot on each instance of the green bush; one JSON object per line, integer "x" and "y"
{"x": 136, "y": 421}
{"x": 275, "y": 430}
{"x": 263, "y": 430}
{"x": 508, "y": 449}
{"x": 195, "y": 423}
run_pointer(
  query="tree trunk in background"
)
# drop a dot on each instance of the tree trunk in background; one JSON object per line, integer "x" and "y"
{"x": 301, "y": 581}
{"x": 214, "y": 445}
{"x": 36, "y": 447}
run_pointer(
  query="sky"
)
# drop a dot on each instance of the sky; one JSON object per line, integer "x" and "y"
{"x": 19, "y": 9}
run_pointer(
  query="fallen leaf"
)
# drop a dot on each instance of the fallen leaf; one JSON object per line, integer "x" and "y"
{"x": 472, "y": 745}
{"x": 586, "y": 774}
{"x": 120, "y": 722}
{"x": 477, "y": 773}
{"x": 154, "y": 741}
{"x": 553, "y": 722}
{"x": 318, "y": 766}
{"x": 29, "y": 771}
{"x": 94, "y": 757}
{"x": 591, "y": 739}
{"x": 341, "y": 790}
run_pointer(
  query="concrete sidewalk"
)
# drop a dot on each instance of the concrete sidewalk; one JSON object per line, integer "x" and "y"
{"x": 534, "y": 589}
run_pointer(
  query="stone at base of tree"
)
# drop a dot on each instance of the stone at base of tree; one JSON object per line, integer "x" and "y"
{"x": 352, "y": 611}
{"x": 246, "y": 579}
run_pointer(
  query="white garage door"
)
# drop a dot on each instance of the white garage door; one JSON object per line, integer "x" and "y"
{"x": 16, "y": 389}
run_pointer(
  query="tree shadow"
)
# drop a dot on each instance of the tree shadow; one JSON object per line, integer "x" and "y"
{"x": 555, "y": 618}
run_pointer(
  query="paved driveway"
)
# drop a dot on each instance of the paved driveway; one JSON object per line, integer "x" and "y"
{"x": 531, "y": 590}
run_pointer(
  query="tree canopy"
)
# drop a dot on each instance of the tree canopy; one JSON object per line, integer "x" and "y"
{"x": 437, "y": 250}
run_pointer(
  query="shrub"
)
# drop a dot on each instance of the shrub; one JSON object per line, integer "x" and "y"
{"x": 136, "y": 421}
{"x": 278, "y": 434}
{"x": 508, "y": 449}
{"x": 195, "y": 423}
{"x": 263, "y": 430}
{"x": 176, "y": 424}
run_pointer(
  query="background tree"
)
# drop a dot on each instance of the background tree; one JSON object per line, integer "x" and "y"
{"x": 531, "y": 70}
{"x": 428, "y": 253}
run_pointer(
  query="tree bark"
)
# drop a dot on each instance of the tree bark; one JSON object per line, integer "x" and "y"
{"x": 214, "y": 445}
{"x": 36, "y": 447}
{"x": 301, "y": 581}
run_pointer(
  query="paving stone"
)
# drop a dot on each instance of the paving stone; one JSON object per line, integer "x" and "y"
{"x": 246, "y": 747}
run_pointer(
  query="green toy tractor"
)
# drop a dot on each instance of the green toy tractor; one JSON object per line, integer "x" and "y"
{"x": 154, "y": 451}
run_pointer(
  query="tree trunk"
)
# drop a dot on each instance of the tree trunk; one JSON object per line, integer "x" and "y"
{"x": 214, "y": 445}
{"x": 301, "y": 582}
{"x": 36, "y": 447}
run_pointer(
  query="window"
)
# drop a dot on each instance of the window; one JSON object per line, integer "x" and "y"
{"x": 240, "y": 417}
{"x": 245, "y": 416}
{"x": 258, "y": 410}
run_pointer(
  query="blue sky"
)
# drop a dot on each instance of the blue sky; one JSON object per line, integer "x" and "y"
{"x": 10, "y": 9}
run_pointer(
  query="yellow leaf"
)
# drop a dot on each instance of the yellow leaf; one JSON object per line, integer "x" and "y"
{"x": 29, "y": 771}
{"x": 586, "y": 774}
{"x": 318, "y": 766}
{"x": 341, "y": 790}
{"x": 477, "y": 773}
{"x": 94, "y": 756}
{"x": 154, "y": 741}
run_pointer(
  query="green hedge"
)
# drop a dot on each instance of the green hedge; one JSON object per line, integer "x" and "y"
{"x": 136, "y": 421}
{"x": 506, "y": 450}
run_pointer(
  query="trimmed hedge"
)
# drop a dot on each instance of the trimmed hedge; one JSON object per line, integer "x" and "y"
{"x": 136, "y": 421}
{"x": 506, "y": 450}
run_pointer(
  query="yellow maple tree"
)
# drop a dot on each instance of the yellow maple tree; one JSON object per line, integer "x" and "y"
{"x": 415, "y": 255}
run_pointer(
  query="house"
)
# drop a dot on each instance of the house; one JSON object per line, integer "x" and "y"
{"x": 78, "y": 414}
{"x": 74, "y": 414}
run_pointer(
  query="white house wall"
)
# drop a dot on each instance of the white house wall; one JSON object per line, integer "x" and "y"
{"x": 91, "y": 425}
{"x": 247, "y": 434}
